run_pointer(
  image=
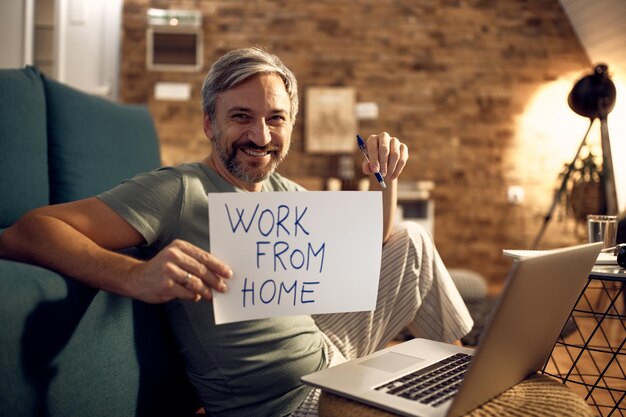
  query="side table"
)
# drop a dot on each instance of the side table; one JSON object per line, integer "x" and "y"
{"x": 591, "y": 357}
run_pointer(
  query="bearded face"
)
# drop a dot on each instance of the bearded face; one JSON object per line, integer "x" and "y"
{"x": 248, "y": 170}
{"x": 250, "y": 131}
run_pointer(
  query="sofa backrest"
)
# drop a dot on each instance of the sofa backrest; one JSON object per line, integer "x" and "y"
{"x": 93, "y": 143}
{"x": 23, "y": 144}
{"x": 58, "y": 144}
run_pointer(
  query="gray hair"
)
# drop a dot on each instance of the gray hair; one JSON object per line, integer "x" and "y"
{"x": 238, "y": 65}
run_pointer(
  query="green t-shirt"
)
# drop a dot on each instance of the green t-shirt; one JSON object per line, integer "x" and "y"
{"x": 247, "y": 368}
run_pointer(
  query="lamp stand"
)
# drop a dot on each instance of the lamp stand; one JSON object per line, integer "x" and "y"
{"x": 561, "y": 189}
{"x": 608, "y": 174}
{"x": 593, "y": 96}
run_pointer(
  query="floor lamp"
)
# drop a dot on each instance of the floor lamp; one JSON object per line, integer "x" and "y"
{"x": 592, "y": 96}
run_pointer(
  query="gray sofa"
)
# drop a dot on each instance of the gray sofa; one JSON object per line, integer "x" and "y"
{"x": 67, "y": 349}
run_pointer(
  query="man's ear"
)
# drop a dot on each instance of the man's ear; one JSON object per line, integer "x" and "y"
{"x": 207, "y": 126}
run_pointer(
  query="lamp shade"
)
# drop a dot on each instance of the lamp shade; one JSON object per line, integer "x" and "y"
{"x": 593, "y": 95}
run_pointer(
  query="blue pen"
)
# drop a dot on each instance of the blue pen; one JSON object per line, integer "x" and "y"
{"x": 379, "y": 177}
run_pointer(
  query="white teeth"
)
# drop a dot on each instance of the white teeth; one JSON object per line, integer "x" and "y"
{"x": 254, "y": 153}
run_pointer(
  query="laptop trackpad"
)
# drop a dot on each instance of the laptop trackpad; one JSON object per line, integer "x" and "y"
{"x": 391, "y": 362}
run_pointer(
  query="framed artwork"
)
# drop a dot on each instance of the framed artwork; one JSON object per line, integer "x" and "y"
{"x": 330, "y": 124}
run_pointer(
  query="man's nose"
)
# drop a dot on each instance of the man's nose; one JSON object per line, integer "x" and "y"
{"x": 260, "y": 133}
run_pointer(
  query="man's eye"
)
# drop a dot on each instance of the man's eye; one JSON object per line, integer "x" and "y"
{"x": 278, "y": 119}
{"x": 240, "y": 116}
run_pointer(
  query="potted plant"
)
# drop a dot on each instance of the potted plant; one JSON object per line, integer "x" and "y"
{"x": 584, "y": 188}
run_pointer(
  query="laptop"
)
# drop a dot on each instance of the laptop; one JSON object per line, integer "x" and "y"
{"x": 432, "y": 379}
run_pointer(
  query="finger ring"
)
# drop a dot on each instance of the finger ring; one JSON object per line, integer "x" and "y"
{"x": 186, "y": 281}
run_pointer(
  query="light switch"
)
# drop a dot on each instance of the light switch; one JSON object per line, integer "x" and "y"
{"x": 367, "y": 111}
{"x": 172, "y": 91}
{"x": 515, "y": 194}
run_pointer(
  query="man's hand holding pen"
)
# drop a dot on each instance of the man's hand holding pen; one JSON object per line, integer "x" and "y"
{"x": 383, "y": 155}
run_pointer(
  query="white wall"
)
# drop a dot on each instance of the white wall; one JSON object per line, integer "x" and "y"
{"x": 87, "y": 41}
{"x": 12, "y": 39}
{"x": 89, "y": 45}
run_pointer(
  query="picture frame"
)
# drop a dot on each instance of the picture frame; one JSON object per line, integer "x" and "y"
{"x": 330, "y": 120}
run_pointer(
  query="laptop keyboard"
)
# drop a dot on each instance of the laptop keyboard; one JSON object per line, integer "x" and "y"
{"x": 432, "y": 385}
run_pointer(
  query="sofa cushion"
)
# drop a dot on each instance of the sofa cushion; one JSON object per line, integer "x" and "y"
{"x": 94, "y": 143}
{"x": 23, "y": 144}
{"x": 71, "y": 350}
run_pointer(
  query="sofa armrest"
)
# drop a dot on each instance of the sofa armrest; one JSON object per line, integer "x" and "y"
{"x": 68, "y": 349}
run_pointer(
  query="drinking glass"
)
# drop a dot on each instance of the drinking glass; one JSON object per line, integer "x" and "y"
{"x": 602, "y": 228}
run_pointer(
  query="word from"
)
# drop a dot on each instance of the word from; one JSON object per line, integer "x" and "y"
{"x": 282, "y": 255}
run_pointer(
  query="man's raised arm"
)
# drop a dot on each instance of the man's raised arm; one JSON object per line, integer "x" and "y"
{"x": 387, "y": 155}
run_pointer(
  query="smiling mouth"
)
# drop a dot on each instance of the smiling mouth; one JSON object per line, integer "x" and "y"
{"x": 256, "y": 152}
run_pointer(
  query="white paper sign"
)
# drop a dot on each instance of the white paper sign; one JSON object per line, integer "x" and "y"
{"x": 296, "y": 252}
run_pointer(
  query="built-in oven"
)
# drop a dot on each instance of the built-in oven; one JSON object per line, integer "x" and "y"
{"x": 174, "y": 40}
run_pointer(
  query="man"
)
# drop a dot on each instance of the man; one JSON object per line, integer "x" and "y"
{"x": 250, "y": 102}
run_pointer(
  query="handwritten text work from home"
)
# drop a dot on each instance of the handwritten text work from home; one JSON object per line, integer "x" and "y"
{"x": 296, "y": 253}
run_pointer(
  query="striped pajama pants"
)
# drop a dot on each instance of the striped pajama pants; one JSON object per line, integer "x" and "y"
{"x": 415, "y": 292}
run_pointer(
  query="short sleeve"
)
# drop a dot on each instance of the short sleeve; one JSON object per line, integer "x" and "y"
{"x": 150, "y": 202}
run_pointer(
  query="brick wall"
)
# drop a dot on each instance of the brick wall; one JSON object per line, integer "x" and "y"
{"x": 450, "y": 77}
